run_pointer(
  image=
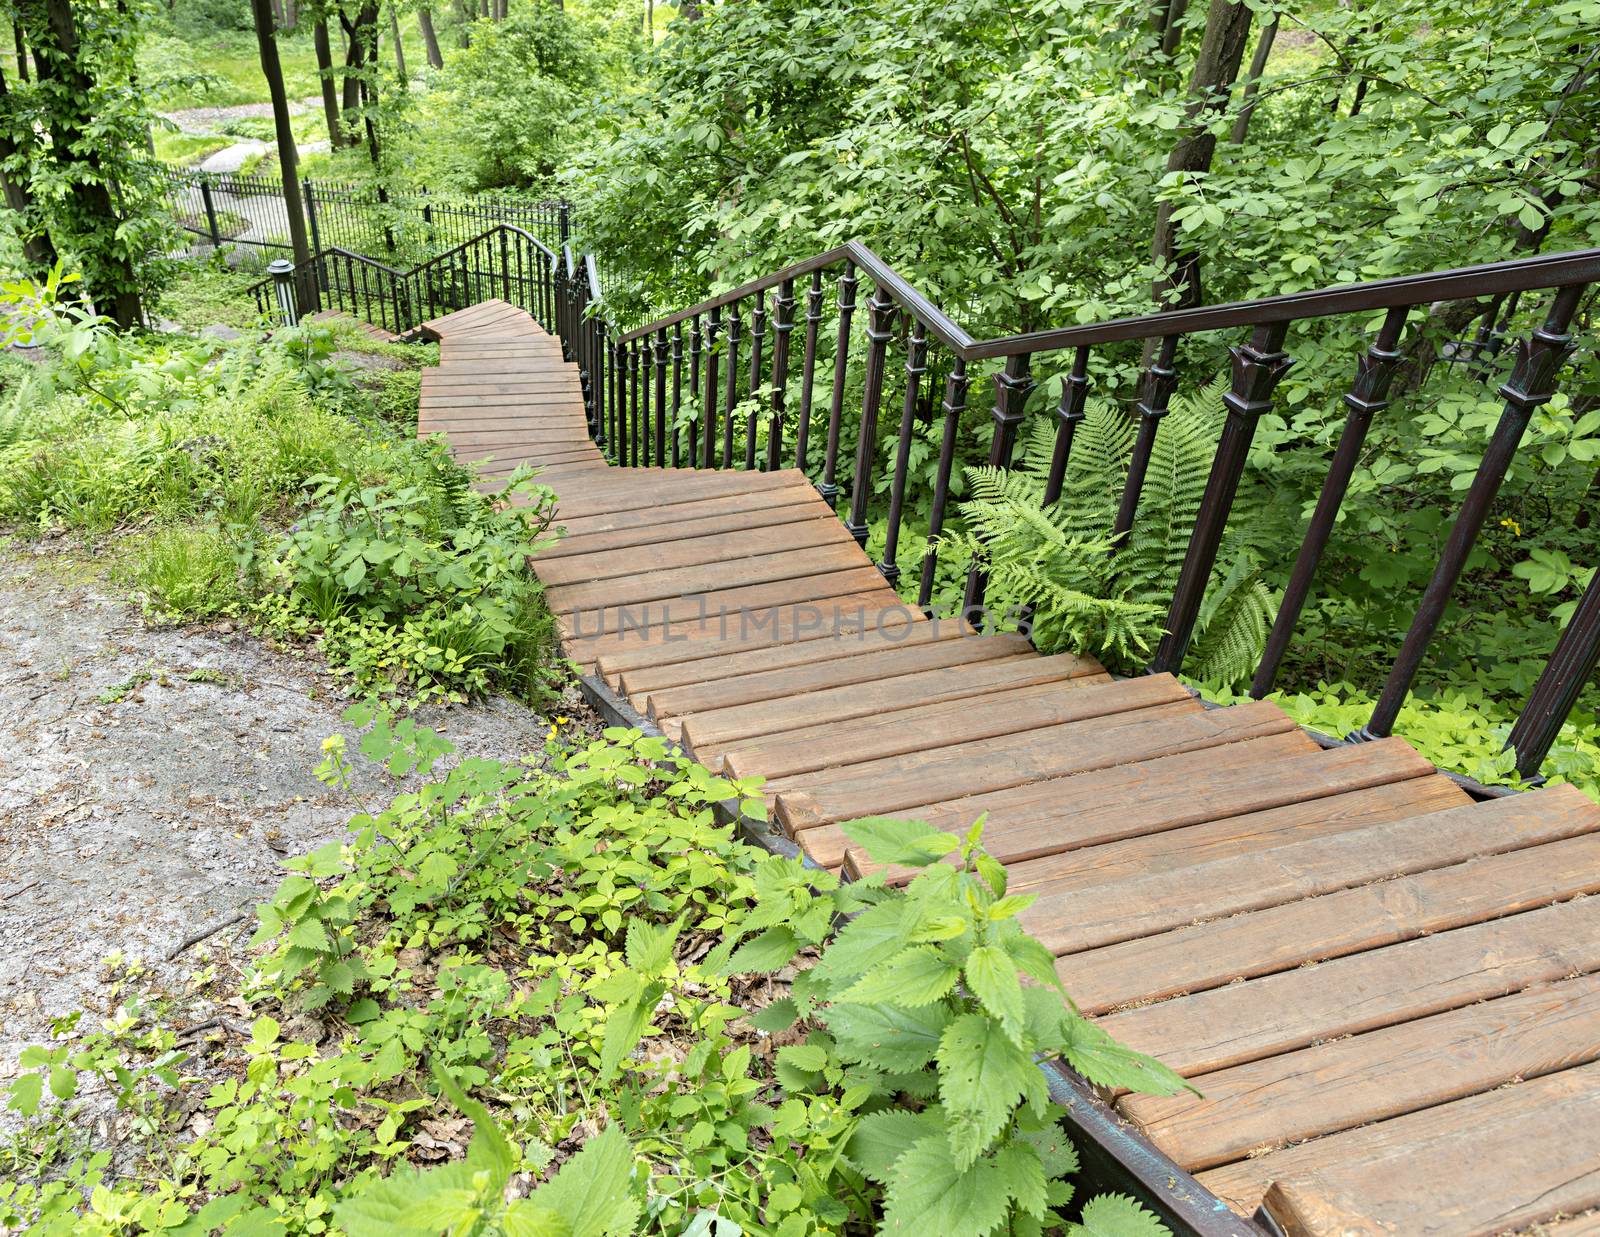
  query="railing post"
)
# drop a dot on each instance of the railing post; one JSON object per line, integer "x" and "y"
{"x": 879, "y": 331}
{"x": 677, "y": 392}
{"x": 211, "y": 211}
{"x": 1012, "y": 386}
{"x": 916, "y": 366}
{"x": 633, "y": 407}
{"x": 1069, "y": 414}
{"x": 1531, "y": 384}
{"x": 758, "y": 336}
{"x": 597, "y": 350}
{"x": 730, "y": 394}
{"x": 505, "y": 267}
{"x": 1158, "y": 386}
{"x": 661, "y": 398}
{"x": 1258, "y": 367}
{"x": 782, "y": 328}
{"x": 310, "y": 196}
{"x": 708, "y": 429}
{"x": 1368, "y": 395}
{"x": 829, "y": 488}
{"x": 282, "y": 272}
{"x": 1565, "y": 675}
{"x": 955, "y": 403}
{"x": 694, "y": 389}
{"x": 808, "y": 368}
{"x": 564, "y": 222}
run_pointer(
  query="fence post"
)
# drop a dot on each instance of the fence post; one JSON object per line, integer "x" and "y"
{"x": 282, "y": 272}
{"x": 565, "y": 222}
{"x": 211, "y": 211}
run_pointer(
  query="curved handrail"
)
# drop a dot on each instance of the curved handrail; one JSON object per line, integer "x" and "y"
{"x": 593, "y": 271}
{"x": 336, "y": 251}
{"x": 1488, "y": 279}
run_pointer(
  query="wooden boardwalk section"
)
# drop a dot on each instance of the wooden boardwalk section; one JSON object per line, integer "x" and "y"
{"x": 1387, "y": 992}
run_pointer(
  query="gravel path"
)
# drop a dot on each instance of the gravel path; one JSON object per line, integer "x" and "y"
{"x": 152, "y": 781}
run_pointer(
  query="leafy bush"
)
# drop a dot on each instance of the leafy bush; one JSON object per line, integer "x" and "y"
{"x": 661, "y": 1069}
{"x": 256, "y": 480}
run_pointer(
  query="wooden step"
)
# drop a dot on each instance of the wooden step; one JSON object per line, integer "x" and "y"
{"x": 1477, "y": 1167}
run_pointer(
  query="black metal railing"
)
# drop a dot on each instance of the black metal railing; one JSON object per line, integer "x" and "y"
{"x": 225, "y": 208}
{"x": 504, "y": 263}
{"x": 672, "y": 393}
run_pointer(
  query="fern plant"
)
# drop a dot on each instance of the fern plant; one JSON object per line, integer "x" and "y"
{"x": 1088, "y": 591}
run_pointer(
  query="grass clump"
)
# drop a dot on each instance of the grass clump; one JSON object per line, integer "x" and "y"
{"x": 256, "y": 479}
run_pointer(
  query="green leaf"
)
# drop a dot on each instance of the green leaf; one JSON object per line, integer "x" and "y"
{"x": 526, "y": 1218}
{"x": 881, "y": 1138}
{"x": 385, "y": 1208}
{"x": 930, "y": 1193}
{"x": 916, "y": 976}
{"x": 871, "y": 938}
{"x": 911, "y": 843}
{"x": 488, "y": 1151}
{"x": 992, "y": 978}
{"x": 806, "y": 1057}
{"x": 592, "y": 1192}
{"x": 625, "y": 1027}
{"x": 983, "y": 1076}
{"x": 649, "y": 947}
{"x": 308, "y": 934}
{"x": 1116, "y": 1215}
{"x": 767, "y": 952}
{"x": 1023, "y": 1173}
{"x": 778, "y": 1016}
{"x": 63, "y": 1082}
{"x": 891, "y": 1039}
{"x": 1099, "y": 1058}
{"x": 26, "y": 1092}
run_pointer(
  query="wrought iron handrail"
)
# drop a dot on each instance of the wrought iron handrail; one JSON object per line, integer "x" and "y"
{"x": 503, "y": 261}
{"x": 632, "y": 404}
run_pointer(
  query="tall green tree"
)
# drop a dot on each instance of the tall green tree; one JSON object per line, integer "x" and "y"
{"x": 283, "y": 127}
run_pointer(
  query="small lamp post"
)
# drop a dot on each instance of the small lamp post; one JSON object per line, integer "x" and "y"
{"x": 282, "y": 272}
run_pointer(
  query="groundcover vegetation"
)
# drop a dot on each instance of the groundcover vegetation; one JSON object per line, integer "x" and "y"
{"x": 630, "y": 1019}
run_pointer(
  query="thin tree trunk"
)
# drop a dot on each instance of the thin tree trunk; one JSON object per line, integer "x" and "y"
{"x": 288, "y": 157}
{"x": 399, "y": 47}
{"x": 330, "y": 92}
{"x": 38, "y": 250}
{"x": 55, "y": 57}
{"x": 354, "y": 62}
{"x": 463, "y": 23}
{"x": 291, "y": 15}
{"x": 649, "y": 21}
{"x": 1216, "y": 66}
{"x": 1258, "y": 66}
{"x": 22, "y": 51}
{"x": 1172, "y": 28}
{"x": 430, "y": 41}
{"x": 277, "y": 14}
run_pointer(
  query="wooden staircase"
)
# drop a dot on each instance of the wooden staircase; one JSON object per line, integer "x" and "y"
{"x": 1387, "y": 993}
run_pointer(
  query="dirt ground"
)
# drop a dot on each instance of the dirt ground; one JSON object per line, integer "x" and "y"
{"x": 152, "y": 781}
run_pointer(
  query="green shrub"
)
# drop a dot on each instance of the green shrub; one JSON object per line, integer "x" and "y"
{"x": 188, "y": 571}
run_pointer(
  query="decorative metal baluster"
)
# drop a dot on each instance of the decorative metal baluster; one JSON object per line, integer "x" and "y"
{"x": 916, "y": 366}
{"x": 619, "y": 400}
{"x": 1074, "y": 393}
{"x": 1566, "y": 674}
{"x": 1012, "y": 386}
{"x": 708, "y": 426}
{"x": 730, "y": 393}
{"x": 677, "y": 392}
{"x": 781, "y": 330}
{"x": 808, "y": 370}
{"x": 758, "y": 335}
{"x": 880, "y": 330}
{"x": 661, "y": 398}
{"x": 598, "y": 348}
{"x": 1531, "y": 384}
{"x": 633, "y": 405}
{"x": 1159, "y": 384}
{"x": 1258, "y": 367}
{"x": 641, "y": 410}
{"x": 955, "y": 403}
{"x": 1368, "y": 395}
{"x": 694, "y": 391}
{"x": 829, "y": 489}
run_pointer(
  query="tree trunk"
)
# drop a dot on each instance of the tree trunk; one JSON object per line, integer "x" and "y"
{"x": 464, "y": 23}
{"x": 1172, "y": 27}
{"x": 291, "y": 14}
{"x": 38, "y": 250}
{"x": 277, "y": 14}
{"x": 1177, "y": 285}
{"x": 354, "y": 62}
{"x": 55, "y": 60}
{"x": 22, "y": 51}
{"x": 330, "y": 92}
{"x": 1258, "y": 66}
{"x": 430, "y": 41}
{"x": 288, "y": 158}
{"x": 649, "y": 21}
{"x": 399, "y": 47}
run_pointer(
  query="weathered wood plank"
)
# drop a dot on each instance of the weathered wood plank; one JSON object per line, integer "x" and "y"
{"x": 1224, "y": 1026}
{"x": 1079, "y": 919}
{"x": 1479, "y": 1166}
{"x": 834, "y": 743}
{"x": 712, "y": 734}
{"x": 1375, "y": 1076}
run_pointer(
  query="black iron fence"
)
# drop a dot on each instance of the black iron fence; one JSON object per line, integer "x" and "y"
{"x": 734, "y": 382}
{"x": 400, "y": 228}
